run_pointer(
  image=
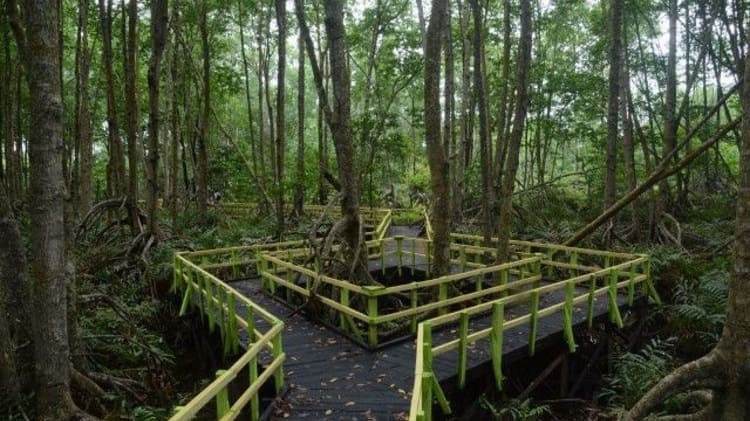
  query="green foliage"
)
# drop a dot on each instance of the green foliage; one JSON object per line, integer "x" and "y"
{"x": 699, "y": 310}
{"x": 514, "y": 409}
{"x": 636, "y": 372}
{"x": 147, "y": 413}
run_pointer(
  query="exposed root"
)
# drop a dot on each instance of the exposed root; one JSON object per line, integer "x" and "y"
{"x": 702, "y": 370}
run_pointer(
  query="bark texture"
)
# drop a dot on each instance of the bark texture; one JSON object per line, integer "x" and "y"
{"x": 516, "y": 133}
{"x": 47, "y": 258}
{"x": 159, "y": 20}
{"x": 437, "y": 158}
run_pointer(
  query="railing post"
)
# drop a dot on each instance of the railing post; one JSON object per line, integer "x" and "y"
{"x": 235, "y": 340}
{"x": 372, "y": 313}
{"x": 533, "y": 321}
{"x": 255, "y": 399}
{"x": 278, "y": 377}
{"x": 222, "y": 398}
{"x": 427, "y": 375}
{"x": 463, "y": 332}
{"x": 568, "y": 316}
{"x": 413, "y": 255}
{"x": 574, "y": 262}
{"x": 496, "y": 342}
{"x": 344, "y": 300}
{"x": 382, "y": 256}
{"x": 442, "y": 296}
{"x": 614, "y": 310}
{"x": 462, "y": 257}
{"x": 428, "y": 255}
{"x": 414, "y": 298}
{"x": 590, "y": 302}
{"x": 263, "y": 269}
{"x": 399, "y": 252}
{"x": 177, "y": 279}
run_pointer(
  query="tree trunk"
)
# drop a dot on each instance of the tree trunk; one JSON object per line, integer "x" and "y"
{"x": 115, "y": 166}
{"x": 436, "y": 154}
{"x": 174, "y": 123}
{"x": 502, "y": 115}
{"x": 131, "y": 109}
{"x": 280, "y": 115}
{"x": 322, "y": 132}
{"x": 159, "y": 20}
{"x": 615, "y": 61}
{"x": 299, "y": 192}
{"x": 83, "y": 116}
{"x": 670, "y": 103}
{"x": 480, "y": 85}
{"x": 341, "y": 124}
{"x": 514, "y": 141}
{"x": 259, "y": 175}
{"x": 449, "y": 97}
{"x": 202, "y": 162}
{"x": 40, "y": 48}
{"x": 628, "y": 146}
{"x": 463, "y": 146}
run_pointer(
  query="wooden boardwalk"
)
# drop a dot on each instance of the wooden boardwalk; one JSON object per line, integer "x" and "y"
{"x": 330, "y": 377}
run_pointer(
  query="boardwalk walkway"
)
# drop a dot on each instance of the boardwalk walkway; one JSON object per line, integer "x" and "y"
{"x": 330, "y": 377}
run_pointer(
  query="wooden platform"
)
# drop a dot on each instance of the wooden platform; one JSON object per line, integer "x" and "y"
{"x": 330, "y": 377}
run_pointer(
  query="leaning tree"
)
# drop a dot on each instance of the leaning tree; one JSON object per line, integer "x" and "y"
{"x": 720, "y": 381}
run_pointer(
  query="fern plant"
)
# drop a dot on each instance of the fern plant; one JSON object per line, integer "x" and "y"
{"x": 698, "y": 312}
{"x": 514, "y": 409}
{"x": 635, "y": 373}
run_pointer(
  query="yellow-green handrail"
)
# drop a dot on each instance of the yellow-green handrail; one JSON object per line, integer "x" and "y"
{"x": 219, "y": 304}
{"x": 632, "y": 272}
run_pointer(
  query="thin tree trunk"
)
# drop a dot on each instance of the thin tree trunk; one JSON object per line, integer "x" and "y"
{"x": 174, "y": 122}
{"x": 670, "y": 103}
{"x": 615, "y": 61}
{"x": 628, "y": 146}
{"x": 480, "y": 85}
{"x": 449, "y": 97}
{"x": 322, "y": 127}
{"x": 502, "y": 115}
{"x": 202, "y": 167}
{"x": 131, "y": 106}
{"x": 299, "y": 192}
{"x": 159, "y": 19}
{"x": 259, "y": 178}
{"x": 280, "y": 115}
{"x": 463, "y": 146}
{"x": 115, "y": 166}
{"x": 516, "y": 133}
{"x": 436, "y": 153}
{"x": 83, "y": 117}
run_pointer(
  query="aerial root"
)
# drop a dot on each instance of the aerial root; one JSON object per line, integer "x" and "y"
{"x": 697, "y": 375}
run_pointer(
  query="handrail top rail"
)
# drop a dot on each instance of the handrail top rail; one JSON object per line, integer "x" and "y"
{"x": 244, "y": 300}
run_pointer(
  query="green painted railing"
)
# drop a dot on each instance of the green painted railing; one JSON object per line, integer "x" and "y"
{"x": 223, "y": 307}
{"x": 577, "y": 291}
{"x": 281, "y": 271}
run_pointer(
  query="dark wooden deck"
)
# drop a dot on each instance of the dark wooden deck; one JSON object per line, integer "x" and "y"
{"x": 329, "y": 377}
